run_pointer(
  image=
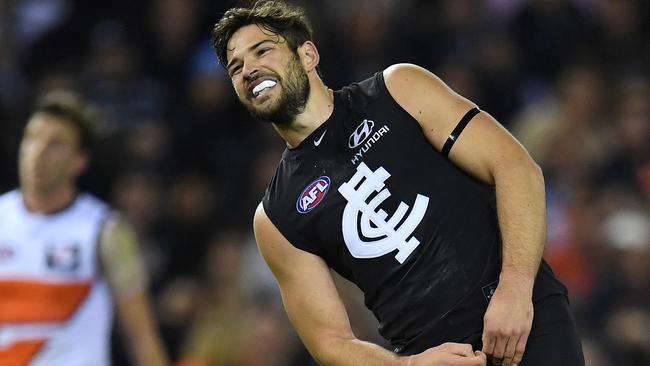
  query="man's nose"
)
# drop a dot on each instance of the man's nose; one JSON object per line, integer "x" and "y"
{"x": 250, "y": 70}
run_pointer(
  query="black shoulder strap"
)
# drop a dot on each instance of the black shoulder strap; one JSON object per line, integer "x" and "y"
{"x": 458, "y": 129}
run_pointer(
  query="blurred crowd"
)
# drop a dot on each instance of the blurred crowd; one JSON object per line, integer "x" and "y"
{"x": 178, "y": 155}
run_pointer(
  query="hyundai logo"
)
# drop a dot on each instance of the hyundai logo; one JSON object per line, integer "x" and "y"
{"x": 361, "y": 133}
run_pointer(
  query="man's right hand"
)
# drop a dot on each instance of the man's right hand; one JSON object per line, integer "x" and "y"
{"x": 448, "y": 354}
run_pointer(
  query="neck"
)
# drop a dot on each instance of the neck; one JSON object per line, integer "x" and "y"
{"x": 318, "y": 109}
{"x": 48, "y": 202}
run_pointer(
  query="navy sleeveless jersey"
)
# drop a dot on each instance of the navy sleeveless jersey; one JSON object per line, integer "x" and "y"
{"x": 370, "y": 195}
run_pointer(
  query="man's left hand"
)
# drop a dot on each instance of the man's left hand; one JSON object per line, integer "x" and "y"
{"x": 506, "y": 325}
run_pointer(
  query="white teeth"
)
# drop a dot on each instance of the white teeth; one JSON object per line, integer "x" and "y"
{"x": 263, "y": 85}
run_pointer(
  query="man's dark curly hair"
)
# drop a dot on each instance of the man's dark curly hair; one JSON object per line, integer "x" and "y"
{"x": 276, "y": 17}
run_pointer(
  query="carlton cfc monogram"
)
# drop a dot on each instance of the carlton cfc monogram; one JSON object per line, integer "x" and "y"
{"x": 374, "y": 225}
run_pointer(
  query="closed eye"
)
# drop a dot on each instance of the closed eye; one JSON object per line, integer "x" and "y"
{"x": 263, "y": 51}
{"x": 235, "y": 70}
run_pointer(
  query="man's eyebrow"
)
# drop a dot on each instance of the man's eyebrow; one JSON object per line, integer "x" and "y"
{"x": 250, "y": 49}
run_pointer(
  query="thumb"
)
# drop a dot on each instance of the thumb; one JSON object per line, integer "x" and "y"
{"x": 459, "y": 349}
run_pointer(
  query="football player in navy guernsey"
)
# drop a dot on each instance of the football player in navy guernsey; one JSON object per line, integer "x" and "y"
{"x": 408, "y": 190}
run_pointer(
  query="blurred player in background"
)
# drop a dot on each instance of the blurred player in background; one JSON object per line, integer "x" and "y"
{"x": 65, "y": 258}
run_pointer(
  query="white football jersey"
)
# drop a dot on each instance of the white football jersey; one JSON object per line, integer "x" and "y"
{"x": 55, "y": 308}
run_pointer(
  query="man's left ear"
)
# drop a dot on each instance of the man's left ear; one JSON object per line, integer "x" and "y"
{"x": 309, "y": 56}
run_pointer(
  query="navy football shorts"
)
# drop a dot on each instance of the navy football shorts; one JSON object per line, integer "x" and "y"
{"x": 553, "y": 338}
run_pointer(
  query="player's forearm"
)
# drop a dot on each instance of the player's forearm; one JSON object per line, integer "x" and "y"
{"x": 152, "y": 354}
{"x": 149, "y": 352}
{"x": 354, "y": 352}
{"x": 522, "y": 219}
{"x": 139, "y": 329}
{"x": 147, "y": 347}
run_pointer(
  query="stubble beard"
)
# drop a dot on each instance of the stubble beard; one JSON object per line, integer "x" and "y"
{"x": 40, "y": 183}
{"x": 292, "y": 102}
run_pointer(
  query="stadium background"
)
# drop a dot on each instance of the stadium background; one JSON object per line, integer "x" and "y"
{"x": 186, "y": 164}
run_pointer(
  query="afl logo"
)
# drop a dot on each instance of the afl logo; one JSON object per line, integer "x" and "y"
{"x": 313, "y": 194}
{"x": 361, "y": 133}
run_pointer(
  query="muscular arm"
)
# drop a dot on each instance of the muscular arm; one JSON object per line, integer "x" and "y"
{"x": 318, "y": 314}
{"x": 121, "y": 264}
{"x": 488, "y": 152}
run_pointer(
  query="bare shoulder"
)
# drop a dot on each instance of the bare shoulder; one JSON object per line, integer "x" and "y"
{"x": 403, "y": 80}
{"x": 402, "y": 72}
{"x": 433, "y": 104}
{"x": 116, "y": 234}
{"x": 119, "y": 256}
{"x": 283, "y": 258}
{"x": 265, "y": 231}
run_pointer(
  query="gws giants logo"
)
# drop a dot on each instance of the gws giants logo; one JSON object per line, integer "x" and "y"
{"x": 361, "y": 133}
{"x": 313, "y": 194}
{"x": 66, "y": 258}
{"x": 358, "y": 214}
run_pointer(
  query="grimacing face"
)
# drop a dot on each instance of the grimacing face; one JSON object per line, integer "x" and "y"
{"x": 268, "y": 77}
{"x": 49, "y": 157}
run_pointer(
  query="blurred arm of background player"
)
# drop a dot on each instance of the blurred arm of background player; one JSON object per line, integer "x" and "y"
{"x": 121, "y": 264}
